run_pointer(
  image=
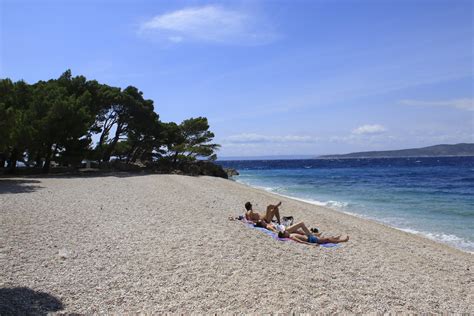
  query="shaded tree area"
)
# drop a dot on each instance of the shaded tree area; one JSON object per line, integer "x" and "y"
{"x": 54, "y": 122}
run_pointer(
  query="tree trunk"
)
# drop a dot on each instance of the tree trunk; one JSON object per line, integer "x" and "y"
{"x": 107, "y": 126}
{"x": 101, "y": 140}
{"x": 11, "y": 166}
{"x": 47, "y": 161}
{"x": 175, "y": 158}
{"x": 2, "y": 161}
{"x": 135, "y": 153}
{"x": 131, "y": 154}
{"x": 111, "y": 147}
{"x": 39, "y": 161}
{"x": 105, "y": 132}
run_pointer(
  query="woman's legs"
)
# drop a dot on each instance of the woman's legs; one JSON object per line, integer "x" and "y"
{"x": 272, "y": 211}
{"x": 296, "y": 227}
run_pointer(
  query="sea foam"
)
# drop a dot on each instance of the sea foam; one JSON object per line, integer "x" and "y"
{"x": 449, "y": 239}
{"x": 432, "y": 197}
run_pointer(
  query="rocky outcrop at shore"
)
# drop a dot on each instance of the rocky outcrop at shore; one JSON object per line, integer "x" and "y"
{"x": 231, "y": 172}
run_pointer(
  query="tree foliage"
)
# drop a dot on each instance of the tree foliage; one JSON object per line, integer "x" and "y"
{"x": 191, "y": 140}
{"x": 69, "y": 119}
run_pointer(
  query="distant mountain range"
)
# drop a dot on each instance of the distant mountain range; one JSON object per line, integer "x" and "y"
{"x": 272, "y": 157}
{"x": 431, "y": 151}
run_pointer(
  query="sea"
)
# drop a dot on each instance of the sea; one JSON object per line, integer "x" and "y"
{"x": 429, "y": 196}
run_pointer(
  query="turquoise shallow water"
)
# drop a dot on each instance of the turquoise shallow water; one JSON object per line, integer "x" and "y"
{"x": 433, "y": 197}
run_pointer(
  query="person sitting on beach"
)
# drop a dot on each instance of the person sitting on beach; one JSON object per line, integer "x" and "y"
{"x": 272, "y": 211}
{"x": 300, "y": 233}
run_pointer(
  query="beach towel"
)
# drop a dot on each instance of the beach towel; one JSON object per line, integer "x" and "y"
{"x": 330, "y": 245}
{"x": 275, "y": 236}
{"x": 265, "y": 231}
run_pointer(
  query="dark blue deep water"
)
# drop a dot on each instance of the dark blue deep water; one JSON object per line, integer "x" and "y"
{"x": 429, "y": 196}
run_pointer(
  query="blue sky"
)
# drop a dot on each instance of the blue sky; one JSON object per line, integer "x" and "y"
{"x": 272, "y": 77}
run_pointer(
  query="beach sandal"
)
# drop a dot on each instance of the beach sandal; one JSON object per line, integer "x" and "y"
{"x": 240, "y": 217}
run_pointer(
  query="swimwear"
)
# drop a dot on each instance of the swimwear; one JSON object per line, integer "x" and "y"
{"x": 312, "y": 239}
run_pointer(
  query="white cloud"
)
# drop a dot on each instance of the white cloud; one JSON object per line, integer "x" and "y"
{"x": 462, "y": 104}
{"x": 257, "y": 138}
{"x": 209, "y": 24}
{"x": 369, "y": 129}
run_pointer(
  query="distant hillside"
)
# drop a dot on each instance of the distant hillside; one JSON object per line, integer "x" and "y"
{"x": 431, "y": 151}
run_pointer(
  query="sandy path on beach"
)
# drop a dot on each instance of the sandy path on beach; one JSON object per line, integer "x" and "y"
{"x": 164, "y": 243}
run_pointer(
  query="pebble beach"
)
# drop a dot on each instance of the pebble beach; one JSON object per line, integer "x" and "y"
{"x": 164, "y": 243}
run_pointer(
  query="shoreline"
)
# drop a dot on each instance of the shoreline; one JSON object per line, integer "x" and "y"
{"x": 163, "y": 243}
{"x": 360, "y": 217}
{"x": 374, "y": 220}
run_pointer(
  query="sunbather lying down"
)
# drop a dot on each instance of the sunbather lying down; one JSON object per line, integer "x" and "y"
{"x": 299, "y": 228}
{"x": 300, "y": 233}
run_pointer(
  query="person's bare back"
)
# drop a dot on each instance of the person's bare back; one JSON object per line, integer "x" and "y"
{"x": 252, "y": 216}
